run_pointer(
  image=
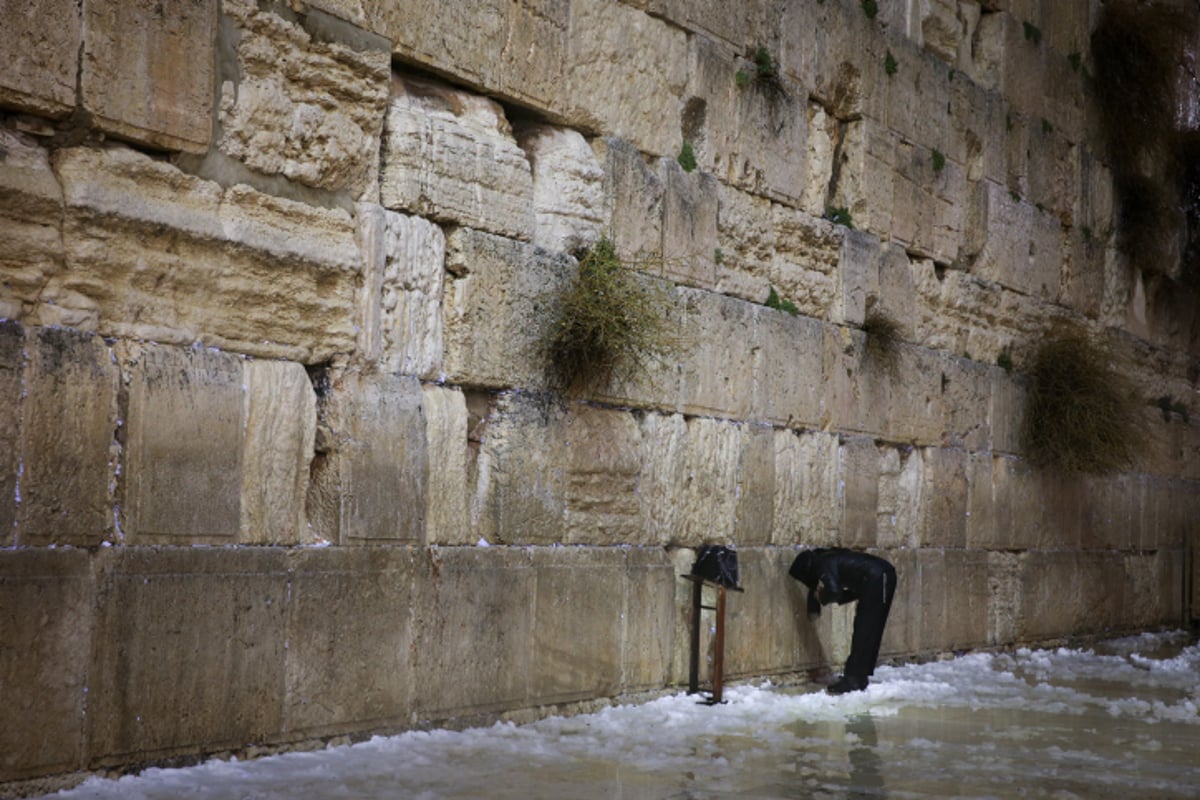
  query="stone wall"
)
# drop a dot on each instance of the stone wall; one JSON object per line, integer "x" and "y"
{"x": 277, "y": 462}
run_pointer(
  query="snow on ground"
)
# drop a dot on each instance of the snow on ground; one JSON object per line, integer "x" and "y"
{"x": 1119, "y": 720}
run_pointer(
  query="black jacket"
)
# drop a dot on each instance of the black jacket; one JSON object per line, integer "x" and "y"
{"x": 835, "y": 575}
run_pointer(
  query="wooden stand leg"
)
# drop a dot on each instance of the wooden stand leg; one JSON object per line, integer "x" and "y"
{"x": 694, "y": 655}
{"x": 719, "y": 656}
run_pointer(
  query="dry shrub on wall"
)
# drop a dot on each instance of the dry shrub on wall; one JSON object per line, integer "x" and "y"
{"x": 1081, "y": 414}
{"x": 612, "y": 325}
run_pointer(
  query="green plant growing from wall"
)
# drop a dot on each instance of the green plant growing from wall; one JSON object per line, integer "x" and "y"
{"x": 1032, "y": 32}
{"x": 1081, "y": 413}
{"x": 870, "y": 8}
{"x": 1005, "y": 360}
{"x": 612, "y": 325}
{"x": 839, "y": 215}
{"x": 939, "y": 160}
{"x": 1076, "y": 60}
{"x": 1047, "y": 128}
{"x": 687, "y": 157}
{"x": 890, "y": 66}
{"x": 764, "y": 75}
{"x": 781, "y": 304}
{"x": 1168, "y": 405}
{"x": 884, "y": 336}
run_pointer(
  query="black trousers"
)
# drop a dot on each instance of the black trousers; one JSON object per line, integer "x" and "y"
{"x": 869, "y": 619}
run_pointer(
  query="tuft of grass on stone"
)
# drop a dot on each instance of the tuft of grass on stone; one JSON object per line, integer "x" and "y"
{"x": 1005, "y": 360}
{"x": 1081, "y": 413}
{"x": 780, "y": 303}
{"x": 687, "y": 157}
{"x": 1032, "y": 32}
{"x": 890, "y": 65}
{"x": 839, "y": 215}
{"x": 939, "y": 160}
{"x": 870, "y": 8}
{"x": 611, "y": 325}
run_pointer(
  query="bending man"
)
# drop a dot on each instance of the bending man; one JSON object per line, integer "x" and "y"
{"x": 837, "y": 575}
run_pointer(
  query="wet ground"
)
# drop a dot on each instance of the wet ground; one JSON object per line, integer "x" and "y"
{"x": 1120, "y": 720}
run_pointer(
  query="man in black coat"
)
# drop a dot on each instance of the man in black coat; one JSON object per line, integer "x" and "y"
{"x": 837, "y": 575}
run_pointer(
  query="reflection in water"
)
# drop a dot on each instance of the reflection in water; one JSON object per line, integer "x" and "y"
{"x": 866, "y": 775}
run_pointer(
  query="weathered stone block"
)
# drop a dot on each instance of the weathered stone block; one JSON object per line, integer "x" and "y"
{"x": 446, "y": 507}
{"x": 371, "y": 482}
{"x": 306, "y": 97}
{"x": 578, "y": 602}
{"x": 402, "y": 293}
{"x": 917, "y": 405}
{"x": 1009, "y": 393}
{"x": 31, "y": 236}
{"x": 498, "y": 288}
{"x": 858, "y": 481}
{"x": 516, "y": 50}
{"x": 901, "y": 635}
{"x": 664, "y": 448}
{"x": 1102, "y": 592}
{"x": 788, "y": 379}
{"x": 901, "y": 501}
{"x": 68, "y": 425}
{"x": 473, "y": 613}
{"x": 719, "y": 364}
{"x": 754, "y": 510}
{"x": 944, "y": 506}
{"x": 1049, "y": 605}
{"x": 1004, "y": 597}
{"x": 349, "y": 641}
{"x": 633, "y": 199}
{"x": 603, "y": 463}
{"x": 746, "y": 26}
{"x": 147, "y": 70}
{"x": 766, "y": 627}
{"x": 918, "y": 99}
{"x": 277, "y": 451}
{"x": 966, "y": 574}
{"x": 966, "y": 403}
{"x": 689, "y": 226}
{"x": 649, "y": 619}
{"x": 859, "y": 276}
{"x": 1112, "y": 510}
{"x": 753, "y": 136}
{"x": 747, "y": 241}
{"x": 41, "y": 59}
{"x": 185, "y": 428}
{"x": 568, "y": 193}
{"x": 867, "y": 179}
{"x": 46, "y": 600}
{"x": 858, "y": 387}
{"x": 451, "y": 156}
{"x": 623, "y": 71}
{"x": 707, "y": 494}
{"x": 190, "y": 648}
{"x": 805, "y": 261}
{"x": 156, "y": 254}
{"x": 837, "y": 53}
{"x": 807, "y": 492}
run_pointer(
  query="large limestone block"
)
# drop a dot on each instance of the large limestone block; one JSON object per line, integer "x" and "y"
{"x": 578, "y": 602}
{"x": 766, "y": 627}
{"x": 156, "y": 254}
{"x": 41, "y": 60}
{"x": 147, "y": 70}
{"x": 12, "y": 373}
{"x": 568, "y": 188}
{"x": 520, "y": 480}
{"x": 977, "y": 114}
{"x": 788, "y": 387}
{"x": 494, "y": 308}
{"x": 858, "y": 388}
{"x": 46, "y": 601}
{"x": 305, "y": 97}
{"x": 349, "y": 641}
{"x": 744, "y": 26}
{"x": 1004, "y": 591}
{"x": 664, "y": 471}
{"x": 1049, "y": 606}
{"x": 859, "y": 464}
{"x": 184, "y": 440}
{"x": 603, "y": 450}
{"x": 754, "y": 512}
{"x": 1113, "y": 506}
{"x": 753, "y": 136}
{"x": 960, "y": 579}
{"x": 966, "y": 401}
{"x": 708, "y": 493}
{"x": 446, "y": 518}
{"x": 1103, "y": 590}
{"x": 649, "y": 619}
{"x": 807, "y": 502}
{"x": 747, "y": 242}
{"x": 944, "y": 501}
{"x": 277, "y": 451}
{"x": 902, "y": 498}
{"x": 858, "y": 277}
{"x": 69, "y": 422}
{"x": 689, "y": 226}
{"x": 1011, "y": 62}
{"x": 515, "y": 50}
{"x": 190, "y": 652}
{"x": 1005, "y": 503}
{"x": 217, "y": 448}
{"x": 451, "y": 156}
{"x": 867, "y": 178}
{"x": 1021, "y": 250}
{"x": 918, "y": 99}
{"x": 805, "y": 259}
{"x": 404, "y": 266}
{"x": 903, "y": 631}
{"x": 624, "y": 74}
{"x": 473, "y": 634}
{"x": 633, "y": 199}
{"x": 31, "y": 233}
{"x": 837, "y": 53}
{"x": 720, "y": 362}
{"x": 371, "y": 481}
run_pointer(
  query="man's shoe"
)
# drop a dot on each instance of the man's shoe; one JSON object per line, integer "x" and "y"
{"x": 847, "y": 683}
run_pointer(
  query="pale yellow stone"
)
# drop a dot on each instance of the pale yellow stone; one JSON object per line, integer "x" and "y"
{"x": 41, "y": 60}
{"x": 719, "y": 363}
{"x": 708, "y": 491}
{"x": 147, "y": 70}
{"x": 603, "y": 466}
{"x": 446, "y": 506}
{"x": 31, "y": 233}
{"x": 451, "y": 156}
{"x": 304, "y": 106}
{"x": 807, "y": 505}
{"x": 633, "y": 199}
{"x": 568, "y": 197}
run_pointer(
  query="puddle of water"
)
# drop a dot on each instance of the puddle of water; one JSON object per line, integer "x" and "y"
{"x": 1118, "y": 721}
